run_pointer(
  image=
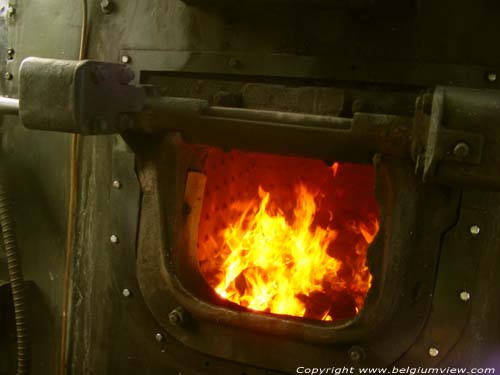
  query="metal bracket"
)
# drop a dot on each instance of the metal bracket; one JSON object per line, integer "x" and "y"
{"x": 433, "y": 142}
{"x": 452, "y": 137}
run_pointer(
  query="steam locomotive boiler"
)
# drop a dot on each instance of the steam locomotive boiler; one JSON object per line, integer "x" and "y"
{"x": 256, "y": 187}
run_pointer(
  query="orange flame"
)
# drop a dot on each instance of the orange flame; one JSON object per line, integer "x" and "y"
{"x": 289, "y": 251}
{"x": 276, "y": 260}
{"x": 335, "y": 168}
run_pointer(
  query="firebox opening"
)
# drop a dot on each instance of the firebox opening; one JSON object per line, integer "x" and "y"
{"x": 287, "y": 235}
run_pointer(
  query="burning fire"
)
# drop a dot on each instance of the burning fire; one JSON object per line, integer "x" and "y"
{"x": 280, "y": 256}
{"x": 271, "y": 263}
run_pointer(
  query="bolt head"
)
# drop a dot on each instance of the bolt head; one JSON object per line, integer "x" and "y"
{"x": 126, "y": 292}
{"x": 461, "y": 150}
{"x": 8, "y": 76}
{"x": 177, "y": 317}
{"x": 117, "y": 184}
{"x": 491, "y": 76}
{"x": 125, "y": 59}
{"x": 433, "y": 352}
{"x": 474, "y": 230}
{"x": 113, "y": 238}
{"x": 159, "y": 337}
{"x": 465, "y": 296}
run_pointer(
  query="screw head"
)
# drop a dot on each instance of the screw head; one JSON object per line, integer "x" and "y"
{"x": 8, "y": 76}
{"x": 125, "y": 59}
{"x": 433, "y": 352}
{"x": 464, "y": 296}
{"x": 126, "y": 292}
{"x": 461, "y": 150}
{"x": 113, "y": 238}
{"x": 159, "y": 337}
{"x": 491, "y": 76}
{"x": 474, "y": 230}
{"x": 117, "y": 184}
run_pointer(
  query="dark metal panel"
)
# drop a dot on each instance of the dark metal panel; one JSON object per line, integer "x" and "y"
{"x": 38, "y": 189}
{"x": 38, "y": 169}
{"x": 108, "y": 308}
{"x": 422, "y": 47}
{"x": 436, "y": 36}
{"x": 26, "y": 38}
{"x": 479, "y": 343}
{"x": 328, "y": 68}
{"x": 454, "y": 286}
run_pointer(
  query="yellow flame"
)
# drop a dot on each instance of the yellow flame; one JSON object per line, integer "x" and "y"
{"x": 274, "y": 260}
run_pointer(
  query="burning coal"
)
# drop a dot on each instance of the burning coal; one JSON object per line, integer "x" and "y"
{"x": 289, "y": 248}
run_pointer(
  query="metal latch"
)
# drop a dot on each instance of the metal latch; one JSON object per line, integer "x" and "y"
{"x": 441, "y": 130}
{"x": 86, "y": 97}
{"x": 453, "y": 137}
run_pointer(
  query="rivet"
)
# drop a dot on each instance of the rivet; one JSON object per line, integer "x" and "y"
{"x": 113, "y": 238}
{"x": 106, "y": 6}
{"x": 464, "y": 296}
{"x": 233, "y": 62}
{"x": 126, "y": 59}
{"x": 11, "y": 11}
{"x": 10, "y": 53}
{"x": 461, "y": 150}
{"x": 433, "y": 352}
{"x": 491, "y": 76}
{"x": 159, "y": 337}
{"x": 117, "y": 184}
{"x": 356, "y": 353}
{"x": 126, "y": 292}
{"x": 8, "y": 76}
{"x": 474, "y": 230}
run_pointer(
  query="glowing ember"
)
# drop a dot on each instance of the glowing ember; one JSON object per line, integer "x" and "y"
{"x": 282, "y": 250}
{"x": 335, "y": 168}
